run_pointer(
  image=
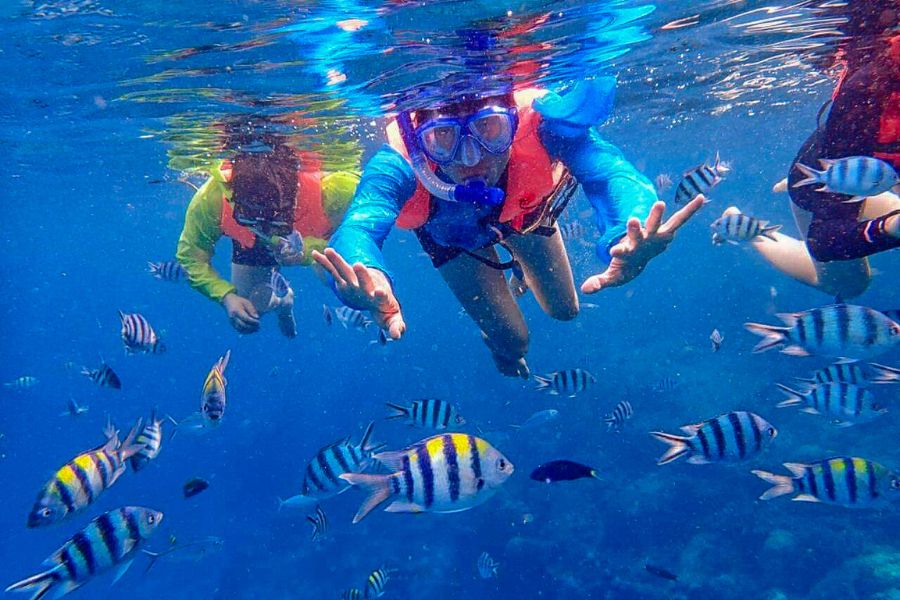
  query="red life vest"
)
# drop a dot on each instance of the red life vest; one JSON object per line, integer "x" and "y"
{"x": 309, "y": 215}
{"x": 889, "y": 125}
{"x": 531, "y": 174}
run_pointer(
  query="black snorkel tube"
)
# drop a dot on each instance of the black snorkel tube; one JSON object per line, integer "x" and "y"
{"x": 472, "y": 192}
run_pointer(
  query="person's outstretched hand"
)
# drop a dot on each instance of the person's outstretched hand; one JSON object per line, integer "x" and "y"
{"x": 241, "y": 313}
{"x": 640, "y": 244}
{"x": 369, "y": 288}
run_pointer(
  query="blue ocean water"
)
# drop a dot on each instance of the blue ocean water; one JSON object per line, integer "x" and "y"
{"x": 100, "y": 102}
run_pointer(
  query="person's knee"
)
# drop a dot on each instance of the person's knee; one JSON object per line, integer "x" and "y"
{"x": 565, "y": 311}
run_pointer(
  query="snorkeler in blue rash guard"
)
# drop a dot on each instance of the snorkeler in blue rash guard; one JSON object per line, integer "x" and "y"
{"x": 497, "y": 168}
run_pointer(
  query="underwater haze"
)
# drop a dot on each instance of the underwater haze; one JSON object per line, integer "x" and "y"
{"x": 111, "y": 113}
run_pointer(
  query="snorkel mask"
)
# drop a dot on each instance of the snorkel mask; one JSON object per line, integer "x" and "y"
{"x": 445, "y": 139}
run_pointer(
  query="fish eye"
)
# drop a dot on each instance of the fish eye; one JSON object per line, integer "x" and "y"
{"x": 45, "y": 512}
{"x": 151, "y": 519}
{"x": 771, "y": 431}
{"x": 895, "y": 484}
{"x": 501, "y": 464}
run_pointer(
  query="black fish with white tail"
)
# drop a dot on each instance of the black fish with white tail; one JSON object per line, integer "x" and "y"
{"x": 730, "y": 437}
{"x": 563, "y": 470}
{"x": 838, "y": 330}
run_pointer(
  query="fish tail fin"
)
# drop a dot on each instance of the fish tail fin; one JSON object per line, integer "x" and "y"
{"x": 154, "y": 268}
{"x": 223, "y": 362}
{"x": 885, "y": 374}
{"x": 769, "y": 231}
{"x": 377, "y": 486}
{"x": 365, "y": 444}
{"x": 678, "y": 446}
{"x": 720, "y": 166}
{"x": 129, "y": 447}
{"x": 399, "y": 411}
{"x": 812, "y": 176}
{"x": 281, "y": 502}
{"x": 794, "y": 397}
{"x": 782, "y": 484}
{"x": 772, "y": 335}
{"x": 40, "y": 584}
{"x": 542, "y": 383}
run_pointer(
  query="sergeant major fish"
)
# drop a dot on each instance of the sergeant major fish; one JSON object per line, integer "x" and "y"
{"x": 716, "y": 338}
{"x": 428, "y": 412}
{"x": 729, "y": 437}
{"x": 170, "y": 270}
{"x": 319, "y": 523}
{"x": 350, "y": 317}
{"x": 621, "y": 413}
{"x": 150, "y": 440}
{"x": 103, "y": 376}
{"x": 322, "y": 476}
{"x": 734, "y": 228}
{"x": 844, "y": 403}
{"x": 82, "y": 480}
{"x": 838, "y": 330}
{"x": 700, "y": 180}
{"x": 138, "y": 335}
{"x": 212, "y": 397}
{"x": 569, "y": 382}
{"x": 445, "y": 473}
{"x": 376, "y": 582}
{"x": 109, "y": 540}
{"x": 278, "y": 284}
{"x": 856, "y": 176}
{"x": 842, "y": 481}
{"x": 843, "y": 371}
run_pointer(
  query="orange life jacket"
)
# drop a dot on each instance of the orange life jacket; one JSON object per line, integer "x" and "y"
{"x": 531, "y": 174}
{"x": 309, "y": 215}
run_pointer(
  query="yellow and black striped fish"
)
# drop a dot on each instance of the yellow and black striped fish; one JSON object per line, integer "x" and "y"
{"x": 444, "y": 473}
{"x": 844, "y": 481}
{"x": 212, "y": 398}
{"x": 108, "y": 540}
{"x": 81, "y": 481}
{"x": 376, "y": 582}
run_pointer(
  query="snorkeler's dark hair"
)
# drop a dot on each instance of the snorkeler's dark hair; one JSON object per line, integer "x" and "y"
{"x": 265, "y": 184}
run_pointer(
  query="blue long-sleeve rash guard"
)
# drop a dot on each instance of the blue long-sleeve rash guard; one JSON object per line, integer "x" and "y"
{"x": 614, "y": 187}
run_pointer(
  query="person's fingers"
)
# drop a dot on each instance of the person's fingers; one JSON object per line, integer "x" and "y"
{"x": 686, "y": 212}
{"x": 323, "y": 262}
{"x": 251, "y": 311}
{"x": 342, "y": 266}
{"x": 633, "y": 231}
{"x": 654, "y": 219}
{"x": 366, "y": 283}
{"x": 396, "y": 326}
{"x": 594, "y": 283}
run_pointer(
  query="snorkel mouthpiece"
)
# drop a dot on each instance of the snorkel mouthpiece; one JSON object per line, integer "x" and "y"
{"x": 475, "y": 191}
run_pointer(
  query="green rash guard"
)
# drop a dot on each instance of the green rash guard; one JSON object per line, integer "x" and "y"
{"x": 202, "y": 228}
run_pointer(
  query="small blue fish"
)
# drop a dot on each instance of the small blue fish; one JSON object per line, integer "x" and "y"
{"x": 539, "y": 418}
{"x": 138, "y": 335}
{"x": 24, "y": 382}
{"x": 856, "y": 176}
{"x": 487, "y": 566}
{"x": 621, "y": 413}
{"x": 278, "y": 284}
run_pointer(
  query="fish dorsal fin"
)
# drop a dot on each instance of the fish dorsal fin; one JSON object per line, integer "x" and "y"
{"x": 691, "y": 429}
{"x": 846, "y": 361}
{"x": 223, "y": 362}
{"x": 798, "y": 469}
{"x": 789, "y": 319}
{"x": 805, "y": 498}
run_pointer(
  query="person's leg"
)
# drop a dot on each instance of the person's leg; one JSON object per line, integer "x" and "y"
{"x": 547, "y": 272}
{"x": 252, "y": 282}
{"x": 484, "y": 295}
